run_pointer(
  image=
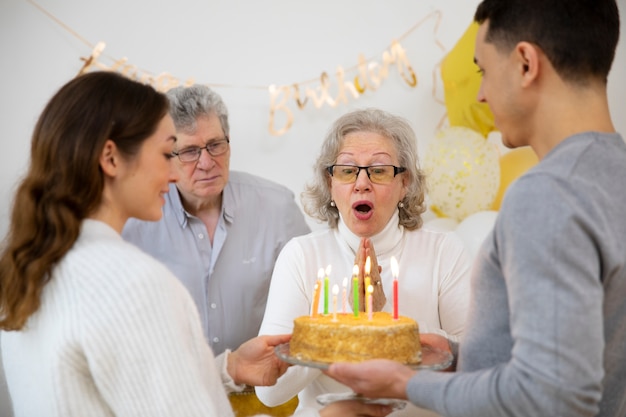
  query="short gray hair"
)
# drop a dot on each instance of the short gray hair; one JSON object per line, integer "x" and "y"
{"x": 187, "y": 104}
{"x": 316, "y": 196}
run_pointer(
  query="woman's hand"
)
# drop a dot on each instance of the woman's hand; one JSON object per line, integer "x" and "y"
{"x": 254, "y": 362}
{"x": 366, "y": 248}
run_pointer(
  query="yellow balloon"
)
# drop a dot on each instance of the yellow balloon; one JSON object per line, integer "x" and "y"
{"x": 512, "y": 165}
{"x": 461, "y": 82}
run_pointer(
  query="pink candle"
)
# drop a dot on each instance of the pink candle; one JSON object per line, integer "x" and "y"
{"x": 355, "y": 290}
{"x": 394, "y": 272}
{"x": 368, "y": 266}
{"x": 370, "y": 290}
{"x": 335, "y": 292}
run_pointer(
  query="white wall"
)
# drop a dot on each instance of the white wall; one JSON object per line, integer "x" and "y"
{"x": 240, "y": 43}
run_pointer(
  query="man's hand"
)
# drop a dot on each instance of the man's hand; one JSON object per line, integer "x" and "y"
{"x": 255, "y": 363}
{"x": 379, "y": 378}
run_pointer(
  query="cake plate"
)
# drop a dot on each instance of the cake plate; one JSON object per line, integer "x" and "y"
{"x": 432, "y": 358}
{"x": 326, "y": 399}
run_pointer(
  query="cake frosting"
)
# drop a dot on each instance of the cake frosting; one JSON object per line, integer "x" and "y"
{"x": 354, "y": 339}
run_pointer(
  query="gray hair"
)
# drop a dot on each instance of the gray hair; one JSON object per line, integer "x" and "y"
{"x": 187, "y": 104}
{"x": 316, "y": 196}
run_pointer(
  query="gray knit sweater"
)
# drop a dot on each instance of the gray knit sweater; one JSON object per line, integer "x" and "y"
{"x": 546, "y": 334}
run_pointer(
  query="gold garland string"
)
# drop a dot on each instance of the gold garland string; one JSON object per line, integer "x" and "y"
{"x": 370, "y": 73}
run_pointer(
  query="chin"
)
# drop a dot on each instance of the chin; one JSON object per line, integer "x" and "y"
{"x": 363, "y": 231}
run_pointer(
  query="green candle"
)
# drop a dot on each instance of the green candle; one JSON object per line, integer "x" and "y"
{"x": 355, "y": 290}
{"x": 326, "y": 296}
{"x": 326, "y": 285}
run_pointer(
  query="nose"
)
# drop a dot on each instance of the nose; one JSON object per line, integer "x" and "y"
{"x": 205, "y": 161}
{"x": 362, "y": 182}
{"x": 481, "y": 94}
{"x": 173, "y": 176}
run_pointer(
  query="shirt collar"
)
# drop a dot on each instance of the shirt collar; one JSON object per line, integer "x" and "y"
{"x": 228, "y": 205}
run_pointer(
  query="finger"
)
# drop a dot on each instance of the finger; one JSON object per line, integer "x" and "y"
{"x": 278, "y": 339}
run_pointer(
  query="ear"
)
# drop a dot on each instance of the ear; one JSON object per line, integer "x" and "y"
{"x": 528, "y": 61}
{"x": 109, "y": 158}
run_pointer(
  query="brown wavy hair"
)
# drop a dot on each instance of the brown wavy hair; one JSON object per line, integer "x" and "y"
{"x": 64, "y": 182}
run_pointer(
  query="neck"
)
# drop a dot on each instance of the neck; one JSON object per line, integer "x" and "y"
{"x": 565, "y": 111}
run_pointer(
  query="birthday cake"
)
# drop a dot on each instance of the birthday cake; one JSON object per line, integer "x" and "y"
{"x": 354, "y": 339}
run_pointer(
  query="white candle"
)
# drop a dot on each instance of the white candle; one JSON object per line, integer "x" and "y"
{"x": 370, "y": 290}
{"x": 335, "y": 292}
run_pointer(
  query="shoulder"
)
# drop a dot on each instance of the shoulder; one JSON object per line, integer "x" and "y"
{"x": 110, "y": 262}
{"x": 243, "y": 182}
{"x": 441, "y": 240}
{"x": 310, "y": 242}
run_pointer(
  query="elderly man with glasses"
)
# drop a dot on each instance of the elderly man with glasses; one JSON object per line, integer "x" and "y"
{"x": 212, "y": 235}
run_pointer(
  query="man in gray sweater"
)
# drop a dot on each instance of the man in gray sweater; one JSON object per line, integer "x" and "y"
{"x": 546, "y": 333}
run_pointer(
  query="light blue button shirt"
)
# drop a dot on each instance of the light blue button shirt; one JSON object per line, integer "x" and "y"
{"x": 228, "y": 281}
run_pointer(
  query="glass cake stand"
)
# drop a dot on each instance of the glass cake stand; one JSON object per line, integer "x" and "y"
{"x": 432, "y": 359}
{"x": 326, "y": 399}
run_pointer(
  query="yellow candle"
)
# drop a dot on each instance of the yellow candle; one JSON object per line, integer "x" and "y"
{"x": 326, "y": 284}
{"x": 316, "y": 299}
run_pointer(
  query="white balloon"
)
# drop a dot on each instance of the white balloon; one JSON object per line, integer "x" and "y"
{"x": 443, "y": 224}
{"x": 474, "y": 229}
{"x": 462, "y": 171}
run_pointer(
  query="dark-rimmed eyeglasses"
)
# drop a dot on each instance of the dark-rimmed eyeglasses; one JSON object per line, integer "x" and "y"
{"x": 214, "y": 148}
{"x": 379, "y": 174}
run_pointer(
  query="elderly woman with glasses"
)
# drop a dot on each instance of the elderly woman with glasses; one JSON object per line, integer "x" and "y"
{"x": 369, "y": 189}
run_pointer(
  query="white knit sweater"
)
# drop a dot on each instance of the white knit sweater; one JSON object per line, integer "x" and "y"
{"x": 116, "y": 335}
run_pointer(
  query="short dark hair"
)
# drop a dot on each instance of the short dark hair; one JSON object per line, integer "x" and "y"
{"x": 579, "y": 37}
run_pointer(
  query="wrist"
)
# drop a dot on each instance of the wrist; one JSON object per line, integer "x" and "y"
{"x": 231, "y": 366}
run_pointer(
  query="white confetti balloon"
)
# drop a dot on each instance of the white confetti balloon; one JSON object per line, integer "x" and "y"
{"x": 463, "y": 172}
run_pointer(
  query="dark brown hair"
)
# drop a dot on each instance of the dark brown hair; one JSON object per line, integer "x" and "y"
{"x": 579, "y": 37}
{"x": 64, "y": 182}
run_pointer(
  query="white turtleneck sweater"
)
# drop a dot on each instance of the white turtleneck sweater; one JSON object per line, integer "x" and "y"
{"x": 116, "y": 335}
{"x": 433, "y": 290}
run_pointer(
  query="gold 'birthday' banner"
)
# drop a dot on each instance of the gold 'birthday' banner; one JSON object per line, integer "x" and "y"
{"x": 370, "y": 73}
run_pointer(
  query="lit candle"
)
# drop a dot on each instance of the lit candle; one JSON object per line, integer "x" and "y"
{"x": 318, "y": 291}
{"x": 326, "y": 284}
{"x": 316, "y": 299}
{"x": 355, "y": 290}
{"x": 368, "y": 266}
{"x": 370, "y": 290}
{"x": 344, "y": 295}
{"x": 394, "y": 272}
{"x": 335, "y": 292}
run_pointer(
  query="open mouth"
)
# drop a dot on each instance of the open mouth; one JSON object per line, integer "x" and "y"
{"x": 363, "y": 207}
